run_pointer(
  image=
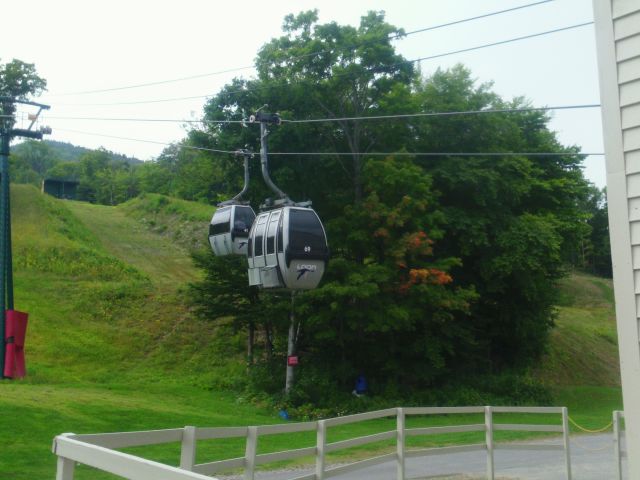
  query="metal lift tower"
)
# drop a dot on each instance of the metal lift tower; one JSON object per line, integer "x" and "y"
{"x": 7, "y": 133}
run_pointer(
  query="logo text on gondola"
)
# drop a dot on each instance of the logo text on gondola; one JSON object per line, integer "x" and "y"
{"x": 302, "y": 269}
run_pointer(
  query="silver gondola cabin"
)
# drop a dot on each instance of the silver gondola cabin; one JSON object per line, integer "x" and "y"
{"x": 229, "y": 229}
{"x": 287, "y": 249}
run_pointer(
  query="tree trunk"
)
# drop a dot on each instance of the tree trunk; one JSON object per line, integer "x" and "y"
{"x": 250, "y": 343}
{"x": 291, "y": 347}
{"x": 268, "y": 341}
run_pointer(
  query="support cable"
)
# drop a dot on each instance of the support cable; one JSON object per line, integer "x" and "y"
{"x": 338, "y": 119}
{"x": 371, "y": 154}
{"x": 345, "y": 74}
{"x": 297, "y": 57}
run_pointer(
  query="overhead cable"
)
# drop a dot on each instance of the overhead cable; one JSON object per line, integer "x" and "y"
{"x": 146, "y": 141}
{"x": 440, "y": 154}
{"x": 442, "y": 114}
{"x": 339, "y": 119}
{"x": 371, "y": 154}
{"x": 297, "y": 57}
{"x": 478, "y": 17}
{"x": 345, "y": 74}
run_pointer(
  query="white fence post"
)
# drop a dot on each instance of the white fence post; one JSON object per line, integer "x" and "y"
{"x": 616, "y": 444}
{"x": 188, "y": 448}
{"x": 250, "y": 453}
{"x": 488, "y": 424}
{"x": 567, "y": 446}
{"x": 400, "y": 443}
{"x": 321, "y": 442}
{"x": 66, "y": 469}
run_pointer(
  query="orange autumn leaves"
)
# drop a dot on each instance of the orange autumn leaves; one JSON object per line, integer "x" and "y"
{"x": 417, "y": 244}
{"x": 407, "y": 248}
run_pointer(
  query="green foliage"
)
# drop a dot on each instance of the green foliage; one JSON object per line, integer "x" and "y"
{"x": 181, "y": 220}
{"x": 19, "y": 80}
{"x": 317, "y": 394}
{"x": 511, "y": 220}
{"x": 120, "y": 355}
{"x": 384, "y": 290}
{"x": 440, "y": 265}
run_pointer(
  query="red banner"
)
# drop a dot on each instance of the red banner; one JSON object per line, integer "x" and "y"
{"x": 14, "y": 337}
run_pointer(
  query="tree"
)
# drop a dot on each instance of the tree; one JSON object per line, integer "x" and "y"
{"x": 446, "y": 262}
{"x": 512, "y": 220}
{"x": 300, "y": 76}
{"x": 400, "y": 300}
{"x": 224, "y": 293}
{"x": 37, "y": 156}
{"x": 19, "y": 80}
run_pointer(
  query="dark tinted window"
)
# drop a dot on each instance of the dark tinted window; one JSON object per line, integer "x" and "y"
{"x": 220, "y": 222}
{"x": 305, "y": 232}
{"x": 258, "y": 245}
{"x": 242, "y": 220}
{"x": 271, "y": 233}
{"x": 280, "y": 241}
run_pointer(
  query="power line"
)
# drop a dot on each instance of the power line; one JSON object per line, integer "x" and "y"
{"x": 255, "y": 65}
{"x": 146, "y": 141}
{"x": 371, "y": 154}
{"x": 457, "y": 22}
{"x": 338, "y": 119}
{"x": 441, "y": 154}
{"x": 345, "y": 74}
{"x": 165, "y": 120}
{"x": 441, "y": 114}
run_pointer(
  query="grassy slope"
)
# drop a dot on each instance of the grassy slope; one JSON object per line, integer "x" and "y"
{"x": 582, "y": 365}
{"x": 112, "y": 347}
{"x": 104, "y": 333}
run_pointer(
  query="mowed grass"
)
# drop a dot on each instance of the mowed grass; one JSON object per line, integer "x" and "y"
{"x": 584, "y": 348}
{"x": 112, "y": 345}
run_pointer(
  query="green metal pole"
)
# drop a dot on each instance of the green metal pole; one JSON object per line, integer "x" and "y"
{"x": 4, "y": 169}
{"x": 8, "y": 254}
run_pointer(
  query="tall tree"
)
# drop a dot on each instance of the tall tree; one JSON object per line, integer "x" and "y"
{"x": 20, "y": 80}
{"x": 512, "y": 220}
{"x": 448, "y": 262}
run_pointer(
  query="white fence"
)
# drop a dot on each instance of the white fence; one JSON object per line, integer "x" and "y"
{"x": 98, "y": 450}
{"x": 618, "y": 453}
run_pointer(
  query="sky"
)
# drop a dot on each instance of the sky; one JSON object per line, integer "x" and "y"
{"x": 89, "y": 45}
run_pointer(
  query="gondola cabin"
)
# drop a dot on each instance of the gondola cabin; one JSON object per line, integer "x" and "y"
{"x": 229, "y": 229}
{"x": 287, "y": 249}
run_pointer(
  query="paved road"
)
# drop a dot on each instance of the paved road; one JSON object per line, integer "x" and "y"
{"x": 591, "y": 459}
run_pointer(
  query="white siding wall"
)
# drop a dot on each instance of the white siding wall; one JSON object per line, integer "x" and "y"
{"x": 626, "y": 33}
{"x": 618, "y": 43}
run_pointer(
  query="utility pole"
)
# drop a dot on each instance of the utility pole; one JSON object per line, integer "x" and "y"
{"x": 7, "y": 132}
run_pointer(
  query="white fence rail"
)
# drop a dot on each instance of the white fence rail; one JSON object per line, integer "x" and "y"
{"x": 99, "y": 450}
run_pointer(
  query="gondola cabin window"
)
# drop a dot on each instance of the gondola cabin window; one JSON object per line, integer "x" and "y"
{"x": 220, "y": 221}
{"x": 306, "y": 234}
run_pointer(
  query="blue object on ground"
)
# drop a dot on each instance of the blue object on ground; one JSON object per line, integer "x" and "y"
{"x": 283, "y": 414}
{"x": 361, "y": 384}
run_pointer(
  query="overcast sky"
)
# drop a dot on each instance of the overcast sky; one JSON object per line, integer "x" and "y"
{"x": 85, "y": 45}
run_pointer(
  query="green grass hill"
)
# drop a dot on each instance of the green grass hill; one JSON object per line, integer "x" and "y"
{"x": 112, "y": 346}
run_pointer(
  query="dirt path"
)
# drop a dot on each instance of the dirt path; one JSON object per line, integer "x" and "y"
{"x": 167, "y": 265}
